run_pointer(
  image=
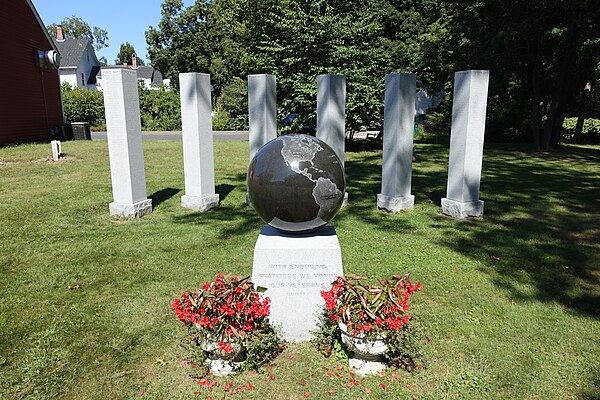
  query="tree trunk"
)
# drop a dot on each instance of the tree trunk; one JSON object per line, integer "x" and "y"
{"x": 534, "y": 47}
{"x": 586, "y": 102}
{"x": 535, "y": 105}
{"x": 560, "y": 114}
{"x": 559, "y": 96}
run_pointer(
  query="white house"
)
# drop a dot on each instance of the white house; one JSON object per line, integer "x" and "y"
{"x": 147, "y": 76}
{"x": 78, "y": 62}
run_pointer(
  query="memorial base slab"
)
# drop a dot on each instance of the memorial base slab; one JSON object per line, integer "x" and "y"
{"x": 134, "y": 210}
{"x": 294, "y": 269}
{"x": 395, "y": 203}
{"x": 461, "y": 210}
{"x": 200, "y": 204}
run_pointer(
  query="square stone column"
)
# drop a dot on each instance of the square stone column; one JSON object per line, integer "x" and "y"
{"x": 398, "y": 126}
{"x": 262, "y": 112}
{"x": 198, "y": 157}
{"x": 124, "y": 134}
{"x": 331, "y": 115}
{"x": 466, "y": 144}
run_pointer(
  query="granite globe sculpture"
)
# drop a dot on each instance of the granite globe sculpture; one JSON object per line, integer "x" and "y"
{"x": 296, "y": 183}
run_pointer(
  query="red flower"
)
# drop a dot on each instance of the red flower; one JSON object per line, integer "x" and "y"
{"x": 226, "y": 347}
{"x": 306, "y": 395}
{"x": 383, "y": 386}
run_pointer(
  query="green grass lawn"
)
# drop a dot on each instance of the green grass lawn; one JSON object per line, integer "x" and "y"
{"x": 511, "y": 302}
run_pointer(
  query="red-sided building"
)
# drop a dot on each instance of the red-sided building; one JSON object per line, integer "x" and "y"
{"x": 30, "y": 101}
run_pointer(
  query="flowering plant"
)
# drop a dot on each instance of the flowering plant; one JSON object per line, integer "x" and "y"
{"x": 371, "y": 312}
{"x": 370, "y": 309}
{"x": 225, "y": 310}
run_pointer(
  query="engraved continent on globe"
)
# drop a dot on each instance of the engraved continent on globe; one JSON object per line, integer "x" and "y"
{"x": 296, "y": 183}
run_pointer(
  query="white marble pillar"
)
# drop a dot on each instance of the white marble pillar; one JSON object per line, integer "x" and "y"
{"x": 398, "y": 126}
{"x": 198, "y": 155}
{"x": 466, "y": 144}
{"x": 124, "y": 133}
{"x": 262, "y": 112}
{"x": 331, "y": 115}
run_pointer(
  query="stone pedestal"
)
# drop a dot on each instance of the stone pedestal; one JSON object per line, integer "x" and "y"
{"x": 124, "y": 134}
{"x": 294, "y": 269}
{"x": 331, "y": 115}
{"x": 398, "y": 126}
{"x": 466, "y": 144}
{"x": 395, "y": 203}
{"x": 198, "y": 157}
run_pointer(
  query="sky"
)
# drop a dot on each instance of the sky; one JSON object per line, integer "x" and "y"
{"x": 124, "y": 20}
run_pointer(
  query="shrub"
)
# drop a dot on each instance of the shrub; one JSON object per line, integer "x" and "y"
{"x": 234, "y": 102}
{"x": 82, "y": 105}
{"x": 160, "y": 110}
{"x": 220, "y": 121}
{"x": 589, "y": 134}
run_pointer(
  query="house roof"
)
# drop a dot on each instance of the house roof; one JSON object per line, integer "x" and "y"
{"x": 146, "y": 72}
{"x": 143, "y": 72}
{"x": 71, "y": 51}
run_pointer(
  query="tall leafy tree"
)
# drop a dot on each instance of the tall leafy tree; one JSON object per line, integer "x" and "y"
{"x": 126, "y": 51}
{"x": 76, "y": 28}
{"x": 534, "y": 51}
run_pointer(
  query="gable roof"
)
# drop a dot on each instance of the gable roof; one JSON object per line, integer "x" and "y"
{"x": 71, "y": 51}
{"x": 143, "y": 72}
{"x": 147, "y": 72}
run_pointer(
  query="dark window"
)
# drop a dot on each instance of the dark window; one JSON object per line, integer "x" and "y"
{"x": 82, "y": 79}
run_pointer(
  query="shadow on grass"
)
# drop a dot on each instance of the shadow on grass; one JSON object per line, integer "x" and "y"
{"x": 163, "y": 195}
{"x": 538, "y": 239}
{"x": 540, "y": 227}
{"x": 223, "y": 190}
{"x": 227, "y": 220}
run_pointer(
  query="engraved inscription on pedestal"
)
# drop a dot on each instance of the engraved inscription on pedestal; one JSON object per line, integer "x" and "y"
{"x": 294, "y": 269}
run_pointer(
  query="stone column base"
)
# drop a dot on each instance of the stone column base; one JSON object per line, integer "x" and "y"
{"x": 457, "y": 209}
{"x": 200, "y": 204}
{"x": 135, "y": 210}
{"x": 345, "y": 201}
{"x": 395, "y": 204}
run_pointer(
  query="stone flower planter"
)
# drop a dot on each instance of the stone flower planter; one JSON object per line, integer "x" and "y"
{"x": 219, "y": 362}
{"x": 367, "y": 351}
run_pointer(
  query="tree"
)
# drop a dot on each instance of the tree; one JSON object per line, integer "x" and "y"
{"x": 75, "y": 28}
{"x": 543, "y": 55}
{"x": 540, "y": 54}
{"x": 200, "y": 38}
{"x": 126, "y": 51}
